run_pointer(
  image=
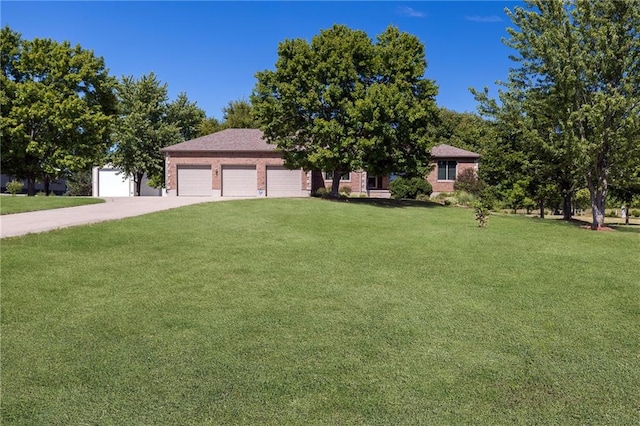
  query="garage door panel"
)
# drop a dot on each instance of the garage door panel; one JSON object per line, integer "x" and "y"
{"x": 239, "y": 181}
{"x": 194, "y": 181}
{"x": 113, "y": 183}
{"x": 282, "y": 182}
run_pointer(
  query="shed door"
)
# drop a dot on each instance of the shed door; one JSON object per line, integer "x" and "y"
{"x": 113, "y": 183}
{"x": 194, "y": 181}
{"x": 282, "y": 182}
{"x": 239, "y": 181}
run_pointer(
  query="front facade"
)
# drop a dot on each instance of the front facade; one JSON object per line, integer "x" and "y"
{"x": 231, "y": 163}
{"x": 240, "y": 163}
{"x": 448, "y": 163}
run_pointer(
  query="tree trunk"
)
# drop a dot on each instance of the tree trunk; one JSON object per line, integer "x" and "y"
{"x": 598, "y": 197}
{"x": 31, "y": 186}
{"x": 335, "y": 183}
{"x": 541, "y": 209}
{"x": 566, "y": 206}
{"x": 137, "y": 180}
{"x": 47, "y": 185}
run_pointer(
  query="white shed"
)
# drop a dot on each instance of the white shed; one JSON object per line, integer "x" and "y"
{"x": 109, "y": 181}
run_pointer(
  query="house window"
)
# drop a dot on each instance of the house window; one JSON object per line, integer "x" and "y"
{"x": 447, "y": 170}
{"x": 374, "y": 182}
{"x": 343, "y": 178}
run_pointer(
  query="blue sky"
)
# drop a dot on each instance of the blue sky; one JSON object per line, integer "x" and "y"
{"x": 212, "y": 50}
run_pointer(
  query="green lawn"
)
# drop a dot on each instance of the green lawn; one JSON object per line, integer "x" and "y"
{"x": 318, "y": 312}
{"x": 20, "y": 204}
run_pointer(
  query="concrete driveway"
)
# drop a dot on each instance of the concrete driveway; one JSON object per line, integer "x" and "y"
{"x": 12, "y": 225}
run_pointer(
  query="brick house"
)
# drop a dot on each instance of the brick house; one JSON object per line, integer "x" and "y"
{"x": 449, "y": 162}
{"x": 240, "y": 163}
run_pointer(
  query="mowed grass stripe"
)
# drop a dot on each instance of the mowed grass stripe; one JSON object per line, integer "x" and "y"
{"x": 20, "y": 204}
{"x": 308, "y": 311}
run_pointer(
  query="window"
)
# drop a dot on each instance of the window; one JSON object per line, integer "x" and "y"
{"x": 374, "y": 182}
{"x": 447, "y": 170}
{"x": 343, "y": 178}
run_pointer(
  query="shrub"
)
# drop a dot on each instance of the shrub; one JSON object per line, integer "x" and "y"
{"x": 346, "y": 190}
{"x": 465, "y": 198}
{"x": 423, "y": 197}
{"x": 323, "y": 192}
{"x": 409, "y": 187}
{"x": 635, "y": 213}
{"x": 14, "y": 187}
{"x": 468, "y": 181}
{"x": 80, "y": 183}
{"x": 482, "y": 214}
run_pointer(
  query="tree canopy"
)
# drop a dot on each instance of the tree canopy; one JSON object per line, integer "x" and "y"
{"x": 144, "y": 127}
{"x": 58, "y": 105}
{"x": 343, "y": 102}
{"x": 577, "y": 84}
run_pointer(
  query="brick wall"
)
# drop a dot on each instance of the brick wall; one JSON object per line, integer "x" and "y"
{"x": 447, "y": 185}
{"x": 217, "y": 160}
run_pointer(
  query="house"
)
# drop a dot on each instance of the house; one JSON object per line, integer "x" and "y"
{"x": 109, "y": 181}
{"x": 231, "y": 163}
{"x": 449, "y": 162}
{"x": 240, "y": 163}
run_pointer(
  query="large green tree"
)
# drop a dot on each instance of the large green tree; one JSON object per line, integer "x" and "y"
{"x": 186, "y": 115}
{"x": 343, "y": 102}
{"x": 578, "y": 79}
{"x": 58, "y": 105}
{"x": 143, "y": 129}
{"x": 239, "y": 115}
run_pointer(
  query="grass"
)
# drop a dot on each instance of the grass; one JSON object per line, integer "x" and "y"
{"x": 20, "y": 204}
{"x": 318, "y": 312}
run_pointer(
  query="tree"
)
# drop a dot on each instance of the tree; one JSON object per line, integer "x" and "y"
{"x": 58, "y": 106}
{"x": 464, "y": 130}
{"x": 585, "y": 101}
{"x": 239, "y": 115}
{"x": 208, "y": 126}
{"x": 185, "y": 115}
{"x": 343, "y": 102}
{"x": 143, "y": 129}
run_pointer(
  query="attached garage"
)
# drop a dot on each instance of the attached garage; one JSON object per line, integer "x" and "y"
{"x": 240, "y": 163}
{"x": 239, "y": 181}
{"x": 282, "y": 182}
{"x": 194, "y": 181}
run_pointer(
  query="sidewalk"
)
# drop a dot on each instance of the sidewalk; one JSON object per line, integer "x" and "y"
{"x": 13, "y": 225}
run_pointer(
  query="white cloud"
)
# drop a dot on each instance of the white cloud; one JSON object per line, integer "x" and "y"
{"x": 492, "y": 18}
{"x": 410, "y": 12}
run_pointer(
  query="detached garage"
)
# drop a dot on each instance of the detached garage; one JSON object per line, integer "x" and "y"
{"x": 109, "y": 181}
{"x": 231, "y": 163}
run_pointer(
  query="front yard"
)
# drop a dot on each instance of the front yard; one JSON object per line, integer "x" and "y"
{"x": 21, "y": 204}
{"x": 318, "y": 312}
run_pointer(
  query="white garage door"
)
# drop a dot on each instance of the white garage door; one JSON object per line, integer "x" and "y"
{"x": 282, "y": 182}
{"x": 113, "y": 183}
{"x": 194, "y": 181}
{"x": 239, "y": 181}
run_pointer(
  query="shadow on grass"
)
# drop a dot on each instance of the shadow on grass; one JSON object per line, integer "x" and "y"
{"x": 633, "y": 228}
{"x": 386, "y": 202}
{"x": 585, "y": 224}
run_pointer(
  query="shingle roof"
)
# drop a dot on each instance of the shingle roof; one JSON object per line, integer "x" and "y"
{"x": 226, "y": 140}
{"x": 448, "y": 151}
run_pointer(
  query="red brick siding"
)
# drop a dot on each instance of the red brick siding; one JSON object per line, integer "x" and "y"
{"x": 447, "y": 186}
{"x": 217, "y": 160}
